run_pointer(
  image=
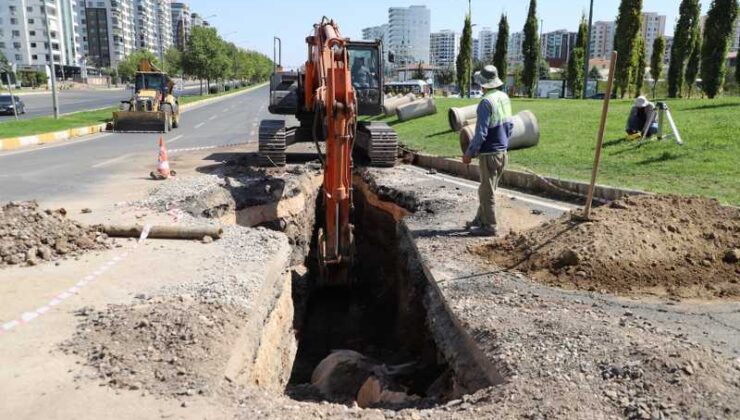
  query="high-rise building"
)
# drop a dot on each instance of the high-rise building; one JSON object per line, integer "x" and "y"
{"x": 476, "y": 49}
{"x": 602, "y": 39}
{"x": 516, "y": 54}
{"x": 108, "y": 31}
{"x": 162, "y": 26}
{"x": 444, "y": 47}
{"x": 197, "y": 20}
{"x": 408, "y": 33}
{"x": 180, "y": 24}
{"x": 735, "y": 43}
{"x": 23, "y": 35}
{"x": 557, "y": 45}
{"x": 487, "y": 39}
{"x": 146, "y": 25}
{"x": 375, "y": 33}
{"x": 653, "y": 26}
{"x": 667, "y": 53}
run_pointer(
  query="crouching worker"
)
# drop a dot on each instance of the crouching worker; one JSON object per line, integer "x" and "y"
{"x": 641, "y": 111}
{"x": 492, "y": 133}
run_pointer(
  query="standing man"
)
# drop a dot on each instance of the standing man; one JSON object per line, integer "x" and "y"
{"x": 492, "y": 133}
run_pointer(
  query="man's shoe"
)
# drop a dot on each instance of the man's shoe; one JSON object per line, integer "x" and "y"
{"x": 484, "y": 231}
{"x": 472, "y": 224}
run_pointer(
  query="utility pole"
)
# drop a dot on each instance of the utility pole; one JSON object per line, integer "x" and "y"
{"x": 54, "y": 99}
{"x": 540, "y": 57}
{"x": 10, "y": 91}
{"x": 587, "y": 53}
{"x": 470, "y": 59}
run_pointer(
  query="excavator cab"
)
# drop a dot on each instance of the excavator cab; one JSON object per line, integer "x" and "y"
{"x": 366, "y": 68}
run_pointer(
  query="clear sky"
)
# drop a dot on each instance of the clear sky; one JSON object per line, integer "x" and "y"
{"x": 253, "y": 23}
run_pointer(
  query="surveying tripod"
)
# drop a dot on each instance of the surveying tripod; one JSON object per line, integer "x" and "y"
{"x": 662, "y": 113}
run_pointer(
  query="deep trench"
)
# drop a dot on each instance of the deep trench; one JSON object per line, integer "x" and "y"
{"x": 379, "y": 314}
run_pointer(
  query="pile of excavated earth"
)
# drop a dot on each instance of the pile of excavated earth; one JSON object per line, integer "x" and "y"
{"x": 29, "y": 236}
{"x": 652, "y": 244}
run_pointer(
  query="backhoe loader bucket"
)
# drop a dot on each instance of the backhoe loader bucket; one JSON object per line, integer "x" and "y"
{"x": 137, "y": 121}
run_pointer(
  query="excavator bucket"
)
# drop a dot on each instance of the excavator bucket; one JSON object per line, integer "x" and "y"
{"x": 142, "y": 122}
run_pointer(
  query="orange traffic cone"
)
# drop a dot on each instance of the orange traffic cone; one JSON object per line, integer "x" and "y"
{"x": 163, "y": 165}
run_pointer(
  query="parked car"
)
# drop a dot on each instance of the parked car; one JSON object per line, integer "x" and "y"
{"x": 6, "y": 105}
{"x": 601, "y": 95}
{"x": 476, "y": 94}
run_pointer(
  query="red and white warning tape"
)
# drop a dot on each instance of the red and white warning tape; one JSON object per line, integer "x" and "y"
{"x": 27, "y": 317}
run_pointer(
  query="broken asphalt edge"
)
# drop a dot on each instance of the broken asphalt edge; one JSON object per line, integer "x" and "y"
{"x": 13, "y": 143}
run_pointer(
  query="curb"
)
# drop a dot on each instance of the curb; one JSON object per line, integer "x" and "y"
{"x": 13, "y": 143}
{"x": 525, "y": 181}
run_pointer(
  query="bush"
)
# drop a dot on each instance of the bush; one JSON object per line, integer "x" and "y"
{"x": 227, "y": 88}
{"x": 243, "y": 84}
{"x": 213, "y": 90}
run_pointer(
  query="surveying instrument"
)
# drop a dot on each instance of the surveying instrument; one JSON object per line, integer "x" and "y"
{"x": 662, "y": 113}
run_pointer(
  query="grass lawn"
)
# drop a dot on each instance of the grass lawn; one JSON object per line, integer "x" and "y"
{"x": 39, "y": 125}
{"x": 708, "y": 163}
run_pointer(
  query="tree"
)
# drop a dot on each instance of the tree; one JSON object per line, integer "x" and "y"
{"x": 717, "y": 30}
{"x": 692, "y": 67}
{"x": 446, "y": 76}
{"x": 737, "y": 72}
{"x": 464, "y": 57}
{"x": 594, "y": 74}
{"x": 128, "y": 66}
{"x": 531, "y": 49}
{"x": 419, "y": 72}
{"x": 656, "y": 61}
{"x": 687, "y": 25}
{"x": 205, "y": 56}
{"x": 502, "y": 47}
{"x": 640, "y": 69}
{"x": 626, "y": 39}
{"x": 173, "y": 61}
{"x": 575, "y": 77}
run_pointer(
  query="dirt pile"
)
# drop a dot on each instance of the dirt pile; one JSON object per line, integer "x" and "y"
{"x": 663, "y": 245}
{"x": 164, "y": 346}
{"x": 29, "y": 236}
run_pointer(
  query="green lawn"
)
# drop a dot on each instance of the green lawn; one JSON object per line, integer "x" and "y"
{"x": 39, "y": 125}
{"x": 708, "y": 163}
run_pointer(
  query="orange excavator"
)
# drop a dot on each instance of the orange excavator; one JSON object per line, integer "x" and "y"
{"x": 341, "y": 80}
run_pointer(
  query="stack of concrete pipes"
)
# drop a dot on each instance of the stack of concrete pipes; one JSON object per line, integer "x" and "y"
{"x": 526, "y": 131}
{"x": 407, "y": 107}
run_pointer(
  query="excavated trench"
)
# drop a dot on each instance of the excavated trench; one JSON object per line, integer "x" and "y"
{"x": 390, "y": 315}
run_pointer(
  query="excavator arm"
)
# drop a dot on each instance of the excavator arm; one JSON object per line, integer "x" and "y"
{"x": 330, "y": 96}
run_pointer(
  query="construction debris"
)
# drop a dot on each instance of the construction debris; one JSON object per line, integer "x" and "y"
{"x": 29, "y": 236}
{"x": 664, "y": 245}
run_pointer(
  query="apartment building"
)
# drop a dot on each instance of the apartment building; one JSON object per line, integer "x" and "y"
{"x": 409, "y": 30}
{"x": 516, "y": 54}
{"x": 163, "y": 26}
{"x": 653, "y": 26}
{"x": 444, "y": 47}
{"x": 180, "y": 17}
{"x": 557, "y": 45}
{"x": 476, "y": 49}
{"x": 109, "y": 31}
{"x": 487, "y": 39}
{"x": 602, "y": 39}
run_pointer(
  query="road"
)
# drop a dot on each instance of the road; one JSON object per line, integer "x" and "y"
{"x": 69, "y": 168}
{"x": 77, "y": 100}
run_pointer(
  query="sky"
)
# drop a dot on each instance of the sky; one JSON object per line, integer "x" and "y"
{"x": 253, "y": 23}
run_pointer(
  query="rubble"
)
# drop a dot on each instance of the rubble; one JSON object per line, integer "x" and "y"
{"x": 653, "y": 244}
{"x": 30, "y": 236}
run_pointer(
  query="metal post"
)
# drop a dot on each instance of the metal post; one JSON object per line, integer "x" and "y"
{"x": 54, "y": 99}
{"x": 12, "y": 99}
{"x": 587, "y": 53}
{"x": 470, "y": 64}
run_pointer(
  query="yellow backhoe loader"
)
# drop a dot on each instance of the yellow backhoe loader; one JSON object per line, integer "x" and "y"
{"x": 152, "y": 107}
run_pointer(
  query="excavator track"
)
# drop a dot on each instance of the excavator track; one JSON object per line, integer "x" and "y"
{"x": 378, "y": 142}
{"x": 273, "y": 140}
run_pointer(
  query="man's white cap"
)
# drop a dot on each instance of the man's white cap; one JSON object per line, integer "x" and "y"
{"x": 641, "y": 102}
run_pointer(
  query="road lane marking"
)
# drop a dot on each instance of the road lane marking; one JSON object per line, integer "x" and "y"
{"x": 111, "y": 161}
{"x": 213, "y": 117}
{"x": 57, "y": 145}
{"x": 176, "y": 138}
{"x": 199, "y": 125}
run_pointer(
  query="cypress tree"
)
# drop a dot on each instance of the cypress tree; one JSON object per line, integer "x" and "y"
{"x": 718, "y": 28}
{"x": 688, "y": 22}
{"x": 463, "y": 58}
{"x": 531, "y": 49}
{"x": 639, "y": 71}
{"x": 656, "y": 61}
{"x": 626, "y": 39}
{"x": 737, "y": 71}
{"x": 502, "y": 48}
{"x": 692, "y": 67}
{"x": 575, "y": 77}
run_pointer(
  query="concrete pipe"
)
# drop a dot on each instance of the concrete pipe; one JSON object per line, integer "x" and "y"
{"x": 416, "y": 109}
{"x": 526, "y": 132}
{"x": 389, "y": 107}
{"x": 460, "y": 117}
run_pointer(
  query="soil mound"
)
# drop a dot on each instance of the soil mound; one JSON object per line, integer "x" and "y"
{"x": 662, "y": 245}
{"x": 29, "y": 236}
{"x": 165, "y": 346}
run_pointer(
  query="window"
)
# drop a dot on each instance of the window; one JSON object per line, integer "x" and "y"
{"x": 33, "y": 45}
{"x": 34, "y": 57}
{"x": 31, "y": 33}
{"x": 29, "y": 9}
{"x": 13, "y": 21}
{"x": 30, "y": 21}
{"x": 18, "y": 57}
{"x": 2, "y": 45}
{"x": 16, "y": 33}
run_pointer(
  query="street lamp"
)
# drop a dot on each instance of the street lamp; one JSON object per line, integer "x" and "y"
{"x": 587, "y": 53}
{"x": 54, "y": 99}
{"x": 470, "y": 59}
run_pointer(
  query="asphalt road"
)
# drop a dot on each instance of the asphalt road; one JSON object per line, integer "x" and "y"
{"x": 77, "y": 100}
{"x": 69, "y": 168}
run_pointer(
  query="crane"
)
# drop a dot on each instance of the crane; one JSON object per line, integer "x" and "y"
{"x": 340, "y": 81}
